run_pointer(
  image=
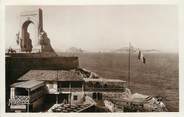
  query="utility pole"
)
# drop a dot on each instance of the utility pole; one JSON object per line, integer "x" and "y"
{"x": 28, "y": 100}
{"x": 70, "y": 94}
{"x": 57, "y": 91}
{"x": 129, "y": 60}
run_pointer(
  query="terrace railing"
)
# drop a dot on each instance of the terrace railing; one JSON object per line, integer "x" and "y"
{"x": 103, "y": 89}
{"x": 69, "y": 89}
{"x": 19, "y": 100}
{"x": 92, "y": 89}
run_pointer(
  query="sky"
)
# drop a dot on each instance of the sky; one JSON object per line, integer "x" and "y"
{"x": 101, "y": 28}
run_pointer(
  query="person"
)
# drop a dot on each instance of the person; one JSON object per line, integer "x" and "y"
{"x": 17, "y": 40}
{"x": 29, "y": 43}
{"x": 64, "y": 101}
{"x": 10, "y": 50}
{"x": 26, "y": 43}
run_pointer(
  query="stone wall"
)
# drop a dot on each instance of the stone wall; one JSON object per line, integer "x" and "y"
{"x": 17, "y": 66}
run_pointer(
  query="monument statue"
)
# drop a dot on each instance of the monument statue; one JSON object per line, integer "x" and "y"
{"x": 45, "y": 42}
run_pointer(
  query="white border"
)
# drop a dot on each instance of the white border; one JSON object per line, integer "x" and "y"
{"x": 179, "y": 3}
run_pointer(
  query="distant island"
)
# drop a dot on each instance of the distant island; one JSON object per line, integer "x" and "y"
{"x": 120, "y": 50}
{"x": 126, "y": 50}
{"x": 74, "y": 50}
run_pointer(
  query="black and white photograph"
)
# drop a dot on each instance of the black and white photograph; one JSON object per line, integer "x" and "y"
{"x": 91, "y": 58}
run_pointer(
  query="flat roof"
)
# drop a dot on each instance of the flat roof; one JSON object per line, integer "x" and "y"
{"x": 31, "y": 84}
{"x": 52, "y": 75}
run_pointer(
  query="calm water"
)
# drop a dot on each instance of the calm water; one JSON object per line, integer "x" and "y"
{"x": 158, "y": 77}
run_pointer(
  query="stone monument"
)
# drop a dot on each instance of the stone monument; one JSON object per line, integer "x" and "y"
{"x": 42, "y": 41}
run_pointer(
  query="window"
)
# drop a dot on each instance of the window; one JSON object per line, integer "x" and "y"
{"x": 75, "y": 97}
{"x": 50, "y": 85}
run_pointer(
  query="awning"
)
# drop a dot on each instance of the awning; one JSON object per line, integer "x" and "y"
{"x": 31, "y": 84}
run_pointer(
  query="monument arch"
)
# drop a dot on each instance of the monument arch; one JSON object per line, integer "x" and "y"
{"x": 27, "y": 18}
{"x": 42, "y": 41}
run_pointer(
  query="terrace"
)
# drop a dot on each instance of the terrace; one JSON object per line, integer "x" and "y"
{"x": 25, "y": 93}
{"x": 104, "y": 85}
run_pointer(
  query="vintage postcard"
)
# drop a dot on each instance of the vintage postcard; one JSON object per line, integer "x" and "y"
{"x": 91, "y": 58}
